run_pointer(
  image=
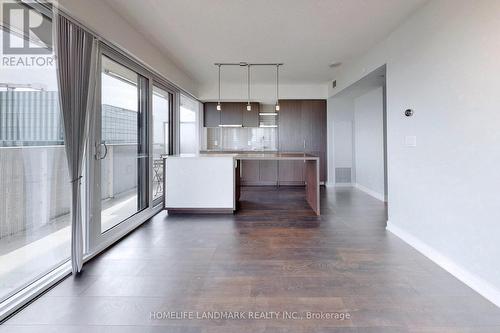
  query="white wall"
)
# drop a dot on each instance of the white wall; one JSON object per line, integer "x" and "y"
{"x": 264, "y": 93}
{"x": 101, "y": 18}
{"x": 369, "y": 142}
{"x": 443, "y": 62}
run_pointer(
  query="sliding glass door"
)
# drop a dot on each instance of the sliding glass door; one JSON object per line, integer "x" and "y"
{"x": 35, "y": 191}
{"x": 120, "y": 141}
{"x": 123, "y": 144}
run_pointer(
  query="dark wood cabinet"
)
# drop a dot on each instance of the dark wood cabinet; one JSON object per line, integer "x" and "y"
{"x": 268, "y": 172}
{"x": 231, "y": 113}
{"x": 249, "y": 172}
{"x": 290, "y": 126}
{"x": 255, "y": 172}
{"x": 211, "y": 116}
{"x": 291, "y": 172}
{"x": 251, "y": 118}
{"x": 313, "y": 120}
{"x": 302, "y": 127}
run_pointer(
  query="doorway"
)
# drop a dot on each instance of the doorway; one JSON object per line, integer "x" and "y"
{"x": 360, "y": 135}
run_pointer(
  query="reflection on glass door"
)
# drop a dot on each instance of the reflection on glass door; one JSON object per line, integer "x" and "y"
{"x": 188, "y": 125}
{"x": 162, "y": 101}
{"x": 35, "y": 195}
{"x": 123, "y": 149}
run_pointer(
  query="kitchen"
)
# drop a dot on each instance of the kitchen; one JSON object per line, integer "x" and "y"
{"x": 263, "y": 144}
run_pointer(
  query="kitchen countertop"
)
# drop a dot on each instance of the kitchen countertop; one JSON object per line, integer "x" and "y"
{"x": 252, "y": 155}
{"x": 238, "y": 151}
{"x": 275, "y": 156}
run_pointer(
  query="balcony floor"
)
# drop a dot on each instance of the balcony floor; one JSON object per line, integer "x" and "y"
{"x": 27, "y": 255}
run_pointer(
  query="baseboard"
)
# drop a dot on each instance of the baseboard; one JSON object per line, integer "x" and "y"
{"x": 372, "y": 193}
{"x": 478, "y": 284}
{"x": 258, "y": 183}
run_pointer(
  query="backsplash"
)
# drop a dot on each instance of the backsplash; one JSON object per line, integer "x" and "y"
{"x": 240, "y": 138}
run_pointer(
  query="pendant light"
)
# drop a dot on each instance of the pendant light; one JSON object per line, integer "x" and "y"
{"x": 218, "y": 101}
{"x": 277, "y": 106}
{"x": 249, "y": 106}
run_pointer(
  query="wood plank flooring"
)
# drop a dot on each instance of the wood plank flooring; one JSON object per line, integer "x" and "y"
{"x": 273, "y": 255}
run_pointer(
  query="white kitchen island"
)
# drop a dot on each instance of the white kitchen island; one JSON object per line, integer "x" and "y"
{"x": 202, "y": 182}
{"x": 210, "y": 183}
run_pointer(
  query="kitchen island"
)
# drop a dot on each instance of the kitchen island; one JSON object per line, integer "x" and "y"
{"x": 210, "y": 183}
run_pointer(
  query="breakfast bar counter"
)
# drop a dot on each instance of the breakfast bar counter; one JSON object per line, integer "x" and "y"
{"x": 210, "y": 182}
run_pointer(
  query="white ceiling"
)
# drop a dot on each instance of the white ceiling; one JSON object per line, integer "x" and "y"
{"x": 307, "y": 35}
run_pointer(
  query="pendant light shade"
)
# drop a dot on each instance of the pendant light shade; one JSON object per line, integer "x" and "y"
{"x": 249, "y": 106}
{"x": 218, "y": 101}
{"x": 277, "y": 106}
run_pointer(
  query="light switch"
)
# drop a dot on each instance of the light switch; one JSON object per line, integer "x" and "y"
{"x": 410, "y": 141}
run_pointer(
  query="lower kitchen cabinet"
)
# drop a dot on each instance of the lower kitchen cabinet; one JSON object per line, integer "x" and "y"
{"x": 268, "y": 172}
{"x": 249, "y": 172}
{"x": 257, "y": 173}
{"x": 291, "y": 172}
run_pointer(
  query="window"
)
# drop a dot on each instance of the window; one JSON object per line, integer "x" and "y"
{"x": 35, "y": 197}
{"x": 188, "y": 125}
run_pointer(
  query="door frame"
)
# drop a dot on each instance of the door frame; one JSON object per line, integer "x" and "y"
{"x": 95, "y": 241}
{"x": 172, "y": 131}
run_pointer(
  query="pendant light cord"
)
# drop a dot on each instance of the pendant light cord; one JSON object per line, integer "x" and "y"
{"x": 277, "y": 83}
{"x": 219, "y": 84}
{"x": 248, "y": 83}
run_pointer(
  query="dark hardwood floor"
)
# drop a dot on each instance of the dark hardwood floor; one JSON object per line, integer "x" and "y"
{"x": 273, "y": 255}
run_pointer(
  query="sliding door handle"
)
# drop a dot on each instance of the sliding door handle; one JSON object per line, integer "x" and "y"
{"x": 105, "y": 150}
{"x": 98, "y": 151}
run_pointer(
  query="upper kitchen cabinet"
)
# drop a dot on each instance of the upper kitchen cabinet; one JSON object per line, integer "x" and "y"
{"x": 313, "y": 123}
{"x": 211, "y": 116}
{"x": 251, "y": 118}
{"x": 290, "y": 126}
{"x": 232, "y": 113}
